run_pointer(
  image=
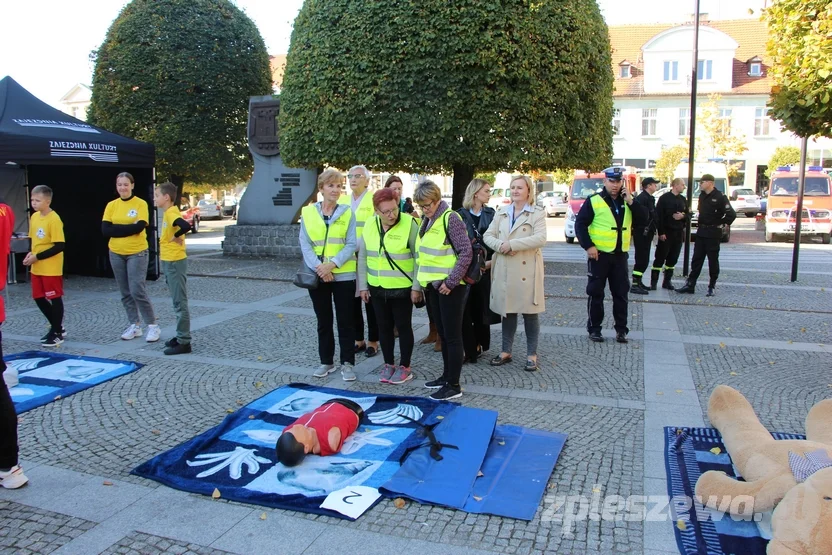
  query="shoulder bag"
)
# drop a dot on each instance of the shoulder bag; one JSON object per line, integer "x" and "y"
{"x": 474, "y": 272}
{"x": 306, "y": 277}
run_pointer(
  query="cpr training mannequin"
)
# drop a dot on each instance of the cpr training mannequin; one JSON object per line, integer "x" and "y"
{"x": 793, "y": 477}
{"x": 320, "y": 432}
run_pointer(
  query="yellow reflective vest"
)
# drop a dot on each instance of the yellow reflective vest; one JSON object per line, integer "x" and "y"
{"x": 380, "y": 273}
{"x": 328, "y": 242}
{"x": 436, "y": 258}
{"x": 363, "y": 213}
{"x": 604, "y": 228}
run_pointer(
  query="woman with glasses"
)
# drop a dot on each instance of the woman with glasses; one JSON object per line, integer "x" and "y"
{"x": 394, "y": 182}
{"x": 517, "y": 235}
{"x": 444, "y": 256}
{"x": 327, "y": 242}
{"x": 386, "y": 271}
{"x": 477, "y": 319}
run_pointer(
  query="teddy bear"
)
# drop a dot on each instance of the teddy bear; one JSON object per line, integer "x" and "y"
{"x": 793, "y": 477}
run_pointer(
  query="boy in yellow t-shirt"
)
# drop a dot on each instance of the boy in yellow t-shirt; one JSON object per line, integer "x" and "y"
{"x": 46, "y": 231}
{"x": 174, "y": 265}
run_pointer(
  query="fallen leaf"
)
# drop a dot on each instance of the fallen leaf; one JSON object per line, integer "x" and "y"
{"x": 680, "y": 524}
{"x": 570, "y": 289}
{"x": 732, "y": 373}
{"x": 130, "y": 401}
{"x": 229, "y": 411}
{"x": 155, "y": 432}
{"x": 660, "y": 393}
{"x": 596, "y": 490}
{"x": 440, "y": 418}
{"x": 258, "y": 384}
{"x": 480, "y": 474}
{"x": 750, "y": 325}
{"x": 262, "y": 516}
{"x": 251, "y": 417}
{"x": 802, "y": 330}
{"x": 501, "y": 442}
{"x": 678, "y": 391}
{"x": 698, "y": 360}
{"x": 477, "y": 498}
{"x": 107, "y": 483}
{"x": 706, "y": 323}
{"x": 771, "y": 362}
{"x": 57, "y": 397}
{"x": 259, "y": 358}
{"x": 216, "y": 494}
{"x": 716, "y": 450}
{"x": 239, "y": 403}
{"x": 789, "y": 341}
{"x": 398, "y": 503}
{"x": 280, "y": 316}
{"x": 721, "y": 345}
{"x": 594, "y": 407}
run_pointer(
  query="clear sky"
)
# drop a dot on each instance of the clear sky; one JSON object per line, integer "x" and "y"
{"x": 45, "y": 44}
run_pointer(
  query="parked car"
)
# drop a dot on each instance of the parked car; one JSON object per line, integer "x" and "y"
{"x": 209, "y": 209}
{"x": 229, "y": 207}
{"x": 499, "y": 198}
{"x": 554, "y": 203}
{"x": 746, "y": 202}
{"x": 190, "y": 215}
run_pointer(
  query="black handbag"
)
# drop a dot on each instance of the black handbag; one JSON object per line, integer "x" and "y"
{"x": 475, "y": 268}
{"x": 392, "y": 262}
{"x": 306, "y": 277}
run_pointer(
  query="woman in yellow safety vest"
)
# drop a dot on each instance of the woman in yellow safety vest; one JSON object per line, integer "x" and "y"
{"x": 444, "y": 256}
{"x": 327, "y": 241}
{"x": 387, "y": 272}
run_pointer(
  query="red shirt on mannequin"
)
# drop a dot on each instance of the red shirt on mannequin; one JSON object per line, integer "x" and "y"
{"x": 332, "y": 424}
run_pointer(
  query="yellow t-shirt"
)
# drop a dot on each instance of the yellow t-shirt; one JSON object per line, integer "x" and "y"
{"x": 170, "y": 251}
{"x": 124, "y": 212}
{"x": 45, "y": 231}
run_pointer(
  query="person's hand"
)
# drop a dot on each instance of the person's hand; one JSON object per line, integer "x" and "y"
{"x": 487, "y": 265}
{"x": 327, "y": 278}
{"x": 505, "y": 248}
{"x": 662, "y": 237}
{"x": 625, "y": 193}
{"x": 325, "y": 268}
{"x": 178, "y": 240}
{"x": 444, "y": 290}
{"x": 365, "y": 296}
{"x": 415, "y": 296}
{"x": 29, "y": 259}
{"x": 592, "y": 253}
{"x": 678, "y": 216}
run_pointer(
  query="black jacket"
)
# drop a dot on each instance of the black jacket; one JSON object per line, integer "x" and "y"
{"x": 649, "y": 203}
{"x": 668, "y": 205}
{"x": 714, "y": 211}
{"x": 486, "y": 217}
{"x": 586, "y": 214}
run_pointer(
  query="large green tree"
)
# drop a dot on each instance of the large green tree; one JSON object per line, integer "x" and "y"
{"x": 178, "y": 74}
{"x": 800, "y": 47}
{"x": 434, "y": 86}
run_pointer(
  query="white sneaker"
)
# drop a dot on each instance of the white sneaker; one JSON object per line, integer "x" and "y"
{"x": 347, "y": 373}
{"x": 13, "y": 478}
{"x": 154, "y": 332}
{"x": 324, "y": 370}
{"x": 132, "y": 332}
{"x": 10, "y": 376}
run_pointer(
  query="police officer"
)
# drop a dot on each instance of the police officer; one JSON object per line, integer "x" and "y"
{"x": 604, "y": 227}
{"x": 671, "y": 215}
{"x": 715, "y": 211}
{"x": 643, "y": 235}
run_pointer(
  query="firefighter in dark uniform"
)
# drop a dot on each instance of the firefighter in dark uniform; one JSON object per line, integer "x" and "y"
{"x": 671, "y": 216}
{"x": 715, "y": 211}
{"x": 604, "y": 227}
{"x": 643, "y": 235}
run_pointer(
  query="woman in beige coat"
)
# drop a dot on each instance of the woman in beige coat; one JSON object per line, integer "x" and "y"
{"x": 517, "y": 235}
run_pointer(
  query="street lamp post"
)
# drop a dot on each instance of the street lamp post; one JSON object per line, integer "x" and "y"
{"x": 692, "y": 131}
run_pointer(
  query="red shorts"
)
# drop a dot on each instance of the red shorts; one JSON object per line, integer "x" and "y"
{"x": 51, "y": 287}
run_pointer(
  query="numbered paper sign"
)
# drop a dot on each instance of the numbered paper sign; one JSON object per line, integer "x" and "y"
{"x": 351, "y": 502}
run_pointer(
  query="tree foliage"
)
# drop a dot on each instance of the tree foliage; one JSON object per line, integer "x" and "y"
{"x": 432, "y": 86}
{"x": 783, "y": 156}
{"x": 178, "y": 74}
{"x": 722, "y": 141}
{"x": 668, "y": 161}
{"x": 563, "y": 176}
{"x": 800, "y": 46}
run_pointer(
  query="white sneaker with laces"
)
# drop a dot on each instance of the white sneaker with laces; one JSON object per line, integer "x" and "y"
{"x": 324, "y": 370}
{"x": 13, "y": 478}
{"x": 154, "y": 332}
{"x": 132, "y": 332}
{"x": 347, "y": 373}
{"x": 10, "y": 376}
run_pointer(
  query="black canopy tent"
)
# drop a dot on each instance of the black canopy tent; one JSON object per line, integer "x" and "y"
{"x": 40, "y": 145}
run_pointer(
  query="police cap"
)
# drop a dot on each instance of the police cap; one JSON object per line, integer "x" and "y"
{"x": 615, "y": 173}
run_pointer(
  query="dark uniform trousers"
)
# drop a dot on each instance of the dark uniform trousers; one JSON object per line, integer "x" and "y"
{"x": 705, "y": 247}
{"x": 613, "y": 268}
{"x": 642, "y": 243}
{"x": 667, "y": 253}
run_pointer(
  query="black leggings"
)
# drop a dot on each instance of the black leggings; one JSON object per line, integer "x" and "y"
{"x": 394, "y": 312}
{"x": 372, "y": 325}
{"x": 54, "y": 312}
{"x": 8, "y": 420}
{"x": 343, "y": 293}
{"x": 447, "y": 315}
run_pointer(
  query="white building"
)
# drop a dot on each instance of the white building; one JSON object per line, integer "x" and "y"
{"x": 76, "y": 101}
{"x": 653, "y": 68}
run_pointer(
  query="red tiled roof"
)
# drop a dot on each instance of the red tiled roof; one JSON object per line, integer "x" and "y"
{"x": 751, "y": 35}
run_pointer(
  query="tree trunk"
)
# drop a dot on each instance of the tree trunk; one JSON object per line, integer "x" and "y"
{"x": 179, "y": 181}
{"x": 462, "y": 177}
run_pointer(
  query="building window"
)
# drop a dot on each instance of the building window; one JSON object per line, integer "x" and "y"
{"x": 725, "y": 119}
{"x": 74, "y": 111}
{"x": 671, "y": 71}
{"x": 648, "y": 122}
{"x": 704, "y": 70}
{"x": 756, "y": 69}
{"x": 625, "y": 71}
{"x": 684, "y": 122}
{"x": 616, "y": 122}
{"x": 761, "y": 122}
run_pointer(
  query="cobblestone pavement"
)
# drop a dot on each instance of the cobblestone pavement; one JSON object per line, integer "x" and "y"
{"x": 253, "y": 331}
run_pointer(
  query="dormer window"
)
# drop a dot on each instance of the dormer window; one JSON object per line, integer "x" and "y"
{"x": 624, "y": 70}
{"x": 755, "y": 67}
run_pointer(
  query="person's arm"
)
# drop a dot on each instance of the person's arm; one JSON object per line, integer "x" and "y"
{"x": 307, "y": 249}
{"x": 537, "y": 240}
{"x": 109, "y": 229}
{"x": 728, "y": 215}
{"x": 411, "y": 244}
{"x": 362, "y": 266}
{"x": 334, "y": 439}
{"x": 56, "y": 248}
{"x": 641, "y": 215}
{"x": 458, "y": 237}
{"x": 582, "y": 222}
{"x": 350, "y": 247}
{"x": 661, "y": 215}
{"x": 491, "y": 236}
{"x": 184, "y": 227}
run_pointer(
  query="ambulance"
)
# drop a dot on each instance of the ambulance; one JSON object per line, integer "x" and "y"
{"x": 585, "y": 184}
{"x": 781, "y": 211}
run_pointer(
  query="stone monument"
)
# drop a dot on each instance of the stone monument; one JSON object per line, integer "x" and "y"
{"x": 269, "y": 210}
